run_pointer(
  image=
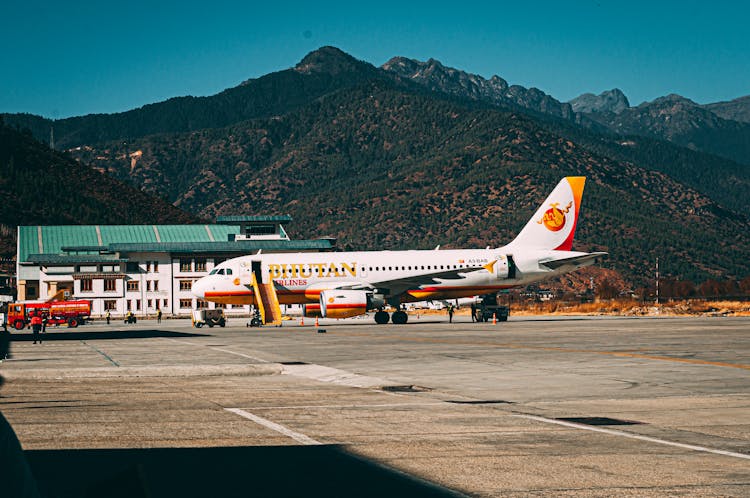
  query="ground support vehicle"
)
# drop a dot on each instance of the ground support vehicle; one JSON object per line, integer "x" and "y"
{"x": 73, "y": 313}
{"x": 209, "y": 317}
{"x": 487, "y": 309}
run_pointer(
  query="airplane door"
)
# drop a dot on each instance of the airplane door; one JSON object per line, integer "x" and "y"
{"x": 257, "y": 271}
{"x": 511, "y": 267}
{"x": 501, "y": 267}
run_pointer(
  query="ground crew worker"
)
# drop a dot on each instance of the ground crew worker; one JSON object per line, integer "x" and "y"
{"x": 158, "y": 315}
{"x": 36, "y": 326}
{"x": 473, "y": 312}
{"x": 108, "y": 315}
{"x": 450, "y": 313}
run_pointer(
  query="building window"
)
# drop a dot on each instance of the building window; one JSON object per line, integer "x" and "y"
{"x": 186, "y": 303}
{"x": 128, "y": 305}
{"x": 148, "y": 285}
{"x": 186, "y": 285}
{"x": 156, "y": 267}
{"x": 201, "y": 304}
{"x": 110, "y": 285}
{"x": 220, "y": 306}
{"x": 137, "y": 304}
{"x": 133, "y": 285}
{"x": 156, "y": 285}
{"x": 86, "y": 285}
{"x": 166, "y": 304}
{"x": 148, "y": 304}
{"x": 200, "y": 264}
{"x": 148, "y": 266}
{"x": 110, "y": 305}
{"x": 186, "y": 264}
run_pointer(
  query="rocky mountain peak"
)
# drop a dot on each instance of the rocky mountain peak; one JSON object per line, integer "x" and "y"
{"x": 434, "y": 75}
{"x": 669, "y": 100}
{"x": 608, "y": 101}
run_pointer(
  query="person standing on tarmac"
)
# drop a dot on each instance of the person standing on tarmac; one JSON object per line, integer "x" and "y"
{"x": 36, "y": 326}
{"x": 108, "y": 316}
{"x": 158, "y": 315}
{"x": 450, "y": 313}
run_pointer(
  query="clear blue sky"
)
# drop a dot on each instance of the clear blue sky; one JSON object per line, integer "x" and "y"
{"x": 63, "y": 59}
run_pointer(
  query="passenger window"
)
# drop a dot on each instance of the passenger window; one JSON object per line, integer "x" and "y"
{"x": 229, "y": 271}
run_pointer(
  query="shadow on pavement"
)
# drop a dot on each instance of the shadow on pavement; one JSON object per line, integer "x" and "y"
{"x": 63, "y": 335}
{"x": 310, "y": 471}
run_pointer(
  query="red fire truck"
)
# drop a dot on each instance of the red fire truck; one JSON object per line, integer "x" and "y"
{"x": 73, "y": 313}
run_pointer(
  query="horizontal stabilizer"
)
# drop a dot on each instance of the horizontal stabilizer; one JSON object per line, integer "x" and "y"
{"x": 582, "y": 260}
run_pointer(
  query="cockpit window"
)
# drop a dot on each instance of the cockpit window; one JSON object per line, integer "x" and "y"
{"x": 229, "y": 271}
{"x": 213, "y": 271}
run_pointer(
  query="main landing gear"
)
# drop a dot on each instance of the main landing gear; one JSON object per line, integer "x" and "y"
{"x": 398, "y": 318}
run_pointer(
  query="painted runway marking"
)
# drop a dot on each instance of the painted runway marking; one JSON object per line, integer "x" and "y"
{"x": 299, "y": 437}
{"x": 249, "y": 357}
{"x": 375, "y": 405}
{"x": 612, "y": 432}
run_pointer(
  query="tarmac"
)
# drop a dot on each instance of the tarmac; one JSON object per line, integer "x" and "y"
{"x": 536, "y": 406}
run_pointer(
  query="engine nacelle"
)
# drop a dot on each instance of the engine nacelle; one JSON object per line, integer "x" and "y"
{"x": 346, "y": 303}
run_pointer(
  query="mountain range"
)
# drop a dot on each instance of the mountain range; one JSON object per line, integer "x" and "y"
{"x": 414, "y": 154}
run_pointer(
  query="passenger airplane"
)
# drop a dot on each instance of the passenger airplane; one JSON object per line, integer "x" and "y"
{"x": 346, "y": 284}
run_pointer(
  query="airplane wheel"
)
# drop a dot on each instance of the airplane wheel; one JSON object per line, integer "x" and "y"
{"x": 399, "y": 317}
{"x": 381, "y": 317}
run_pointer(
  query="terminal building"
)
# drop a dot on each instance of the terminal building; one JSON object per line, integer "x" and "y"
{"x": 143, "y": 268}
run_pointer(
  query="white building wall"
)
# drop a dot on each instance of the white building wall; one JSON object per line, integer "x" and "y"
{"x": 159, "y": 277}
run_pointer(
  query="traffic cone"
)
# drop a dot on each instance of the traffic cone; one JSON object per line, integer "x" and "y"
{"x": 302, "y": 321}
{"x": 494, "y": 320}
{"x": 316, "y": 321}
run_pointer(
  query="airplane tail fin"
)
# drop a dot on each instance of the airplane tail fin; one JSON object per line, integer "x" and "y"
{"x": 553, "y": 225}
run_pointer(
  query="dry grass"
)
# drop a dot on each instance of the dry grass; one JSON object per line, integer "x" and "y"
{"x": 635, "y": 308}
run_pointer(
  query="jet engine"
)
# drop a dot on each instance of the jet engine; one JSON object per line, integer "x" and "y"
{"x": 345, "y": 303}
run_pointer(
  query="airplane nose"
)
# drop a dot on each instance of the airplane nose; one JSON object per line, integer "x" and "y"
{"x": 199, "y": 288}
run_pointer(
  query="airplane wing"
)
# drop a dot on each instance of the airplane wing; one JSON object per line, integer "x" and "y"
{"x": 582, "y": 260}
{"x": 401, "y": 285}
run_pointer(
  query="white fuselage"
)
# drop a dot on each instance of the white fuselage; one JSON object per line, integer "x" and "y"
{"x": 300, "y": 277}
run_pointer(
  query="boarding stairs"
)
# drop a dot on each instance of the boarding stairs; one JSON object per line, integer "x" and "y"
{"x": 267, "y": 302}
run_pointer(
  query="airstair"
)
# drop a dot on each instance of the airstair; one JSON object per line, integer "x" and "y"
{"x": 267, "y": 302}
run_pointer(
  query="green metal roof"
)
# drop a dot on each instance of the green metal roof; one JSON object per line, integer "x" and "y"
{"x": 283, "y": 218}
{"x": 50, "y": 240}
{"x": 118, "y": 233}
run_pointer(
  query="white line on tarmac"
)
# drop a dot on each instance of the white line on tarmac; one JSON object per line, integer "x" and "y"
{"x": 377, "y": 405}
{"x": 299, "y": 437}
{"x": 634, "y": 436}
{"x": 260, "y": 360}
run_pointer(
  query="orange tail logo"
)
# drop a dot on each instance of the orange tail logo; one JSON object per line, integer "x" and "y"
{"x": 554, "y": 217}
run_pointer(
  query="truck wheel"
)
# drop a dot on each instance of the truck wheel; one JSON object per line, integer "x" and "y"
{"x": 72, "y": 323}
{"x": 210, "y": 325}
{"x": 198, "y": 325}
{"x": 19, "y": 325}
{"x": 222, "y": 322}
